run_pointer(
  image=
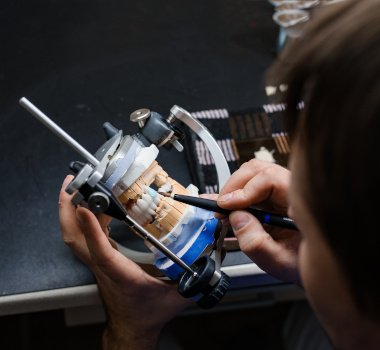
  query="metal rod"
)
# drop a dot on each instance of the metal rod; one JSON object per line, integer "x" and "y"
{"x": 63, "y": 135}
{"x": 140, "y": 231}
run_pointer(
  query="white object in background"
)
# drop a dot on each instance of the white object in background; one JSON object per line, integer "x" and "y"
{"x": 293, "y": 4}
{"x": 292, "y": 21}
{"x": 264, "y": 154}
{"x": 331, "y": 2}
{"x": 270, "y": 90}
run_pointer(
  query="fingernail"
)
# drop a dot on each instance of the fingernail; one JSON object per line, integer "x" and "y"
{"x": 239, "y": 219}
{"x": 66, "y": 181}
{"x": 225, "y": 197}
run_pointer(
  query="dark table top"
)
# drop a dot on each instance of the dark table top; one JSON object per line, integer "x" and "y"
{"x": 87, "y": 62}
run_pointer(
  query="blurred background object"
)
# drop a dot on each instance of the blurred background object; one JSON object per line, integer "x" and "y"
{"x": 292, "y": 16}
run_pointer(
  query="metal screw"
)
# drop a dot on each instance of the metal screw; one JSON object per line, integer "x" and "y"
{"x": 139, "y": 116}
{"x": 171, "y": 118}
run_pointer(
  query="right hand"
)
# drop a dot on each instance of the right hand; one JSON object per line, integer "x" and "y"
{"x": 264, "y": 185}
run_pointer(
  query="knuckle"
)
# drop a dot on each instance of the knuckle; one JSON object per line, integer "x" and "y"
{"x": 270, "y": 171}
{"x": 276, "y": 176}
{"x": 252, "y": 163}
{"x": 243, "y": 196}
{"x": 248, "y": 164}
{"x": 278, "y": 171}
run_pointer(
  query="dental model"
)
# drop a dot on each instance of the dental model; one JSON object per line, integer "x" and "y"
{"x": 135, "y": 178}
{"x": 158, "y": 214}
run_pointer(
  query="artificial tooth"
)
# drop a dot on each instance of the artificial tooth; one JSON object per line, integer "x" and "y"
{"x": 142, "y": 204}
{"x": 165, "y": 188}
{"x": 136, "y": 209}
{"x": 157, "y": 199}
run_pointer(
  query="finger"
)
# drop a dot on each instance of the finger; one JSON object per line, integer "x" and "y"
{"x": 104, "y": 221}
{"x": 256, "y": 242}
{"x": 252, "y": 237}
{"x": 269, "y": 185}
{"x": 71, "y": 232}
{"x": 212, "y": 196}
{"x": 109, "y": 260}
{"x": 65, "y": 183}
{"x": 240, "y": 177}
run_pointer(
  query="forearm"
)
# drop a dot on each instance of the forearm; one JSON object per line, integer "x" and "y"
{"x": 113, "y": 340}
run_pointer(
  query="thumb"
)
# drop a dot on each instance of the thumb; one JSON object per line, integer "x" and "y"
{"x": 109, "y": 260}
{"x": 253, "y": 240}
{"x": 97, "y": 241}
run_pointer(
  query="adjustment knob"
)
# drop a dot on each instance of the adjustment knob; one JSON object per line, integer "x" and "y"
{"x": 216, "y": 294}
{"x": 208, "y": 287}
{"x": 139, "y": 116}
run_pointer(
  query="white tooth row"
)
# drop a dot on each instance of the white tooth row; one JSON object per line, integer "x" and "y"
{"x": 144, "y": 210}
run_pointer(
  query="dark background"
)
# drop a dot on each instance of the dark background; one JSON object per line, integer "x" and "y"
{"x": 85, "y": 62}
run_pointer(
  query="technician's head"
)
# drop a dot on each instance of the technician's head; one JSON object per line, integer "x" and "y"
{"x": 335, "y": 193}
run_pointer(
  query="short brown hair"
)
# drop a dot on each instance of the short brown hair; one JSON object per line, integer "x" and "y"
{"x": 335, "y": 69}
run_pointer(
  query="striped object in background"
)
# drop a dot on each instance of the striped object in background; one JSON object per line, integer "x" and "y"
{"x": 239, "y": 134}
{"x": 261, "y": 127}
{"x": 201, "y": 162}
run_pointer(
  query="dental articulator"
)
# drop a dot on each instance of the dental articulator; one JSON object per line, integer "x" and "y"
{"x": 123, "y": 180}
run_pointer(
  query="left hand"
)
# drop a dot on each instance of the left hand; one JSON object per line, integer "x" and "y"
{"x": 136, "y": 304}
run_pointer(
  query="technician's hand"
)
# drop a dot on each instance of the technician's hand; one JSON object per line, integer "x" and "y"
{"x": 137, "y": 305}
{"x": 264, "y": 185}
